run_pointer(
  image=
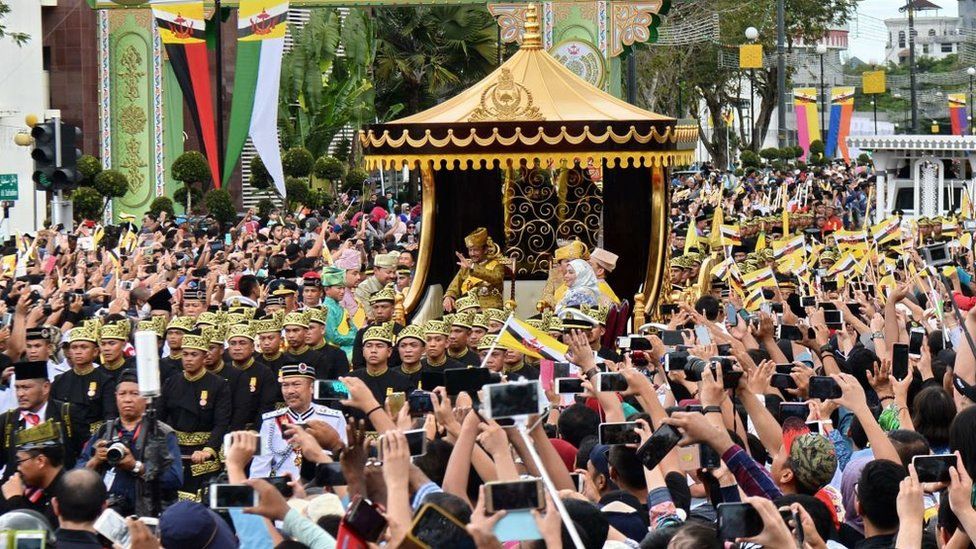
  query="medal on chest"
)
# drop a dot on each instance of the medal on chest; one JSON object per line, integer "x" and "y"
{"x": 254, "y": 384}
{"x": 203, "y": 398}
{"x": 91, "y": 388}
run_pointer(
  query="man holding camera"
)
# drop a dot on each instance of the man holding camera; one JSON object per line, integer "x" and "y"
{"x": 278, "y": 456}
{"x": 117, "y": 451}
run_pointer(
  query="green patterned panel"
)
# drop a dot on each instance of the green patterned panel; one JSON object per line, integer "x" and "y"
{"x": 132, "y": 141}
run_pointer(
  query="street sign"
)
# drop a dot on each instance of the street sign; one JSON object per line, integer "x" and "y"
{"x": 8, "y": 186}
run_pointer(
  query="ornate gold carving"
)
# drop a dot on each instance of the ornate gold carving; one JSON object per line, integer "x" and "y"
{"x": 132, "y": 162}
{"x": 683, "y": 135}
{"x": 478, "y": 161}
{"x": 538, "y": 212}
{"x": 131, "y": 73}
{"x": 506, "y": 99}
{"x": 132, "y": 117}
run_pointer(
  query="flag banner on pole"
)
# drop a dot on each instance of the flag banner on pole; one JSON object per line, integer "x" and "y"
{"x": 723, "y": 269}
{"x": 786, "y": 246}
{"x": 846, "y": 263}
{"x": 807, "y": 123}
{"x": 754, "y": 300}
{"x": 182, "y": 28}
{"x": 957, "y": 113}
{"x": 760, "y": 278}
{"x": 518, "y": 335}
{"x": 886, "y": 231}
{"x": 730, "y": 235}
{"x": 794, "y": 263}
{"x": 841, "y": 111}
{"x": 261, "y": 28}
{"x": 850, "y": 238}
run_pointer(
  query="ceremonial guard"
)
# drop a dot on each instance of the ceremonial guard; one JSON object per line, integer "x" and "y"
{"x": 34, "y": 408}
{"x": 279, "y": 458}
{"x": 435, "y": 358}
{"x": 287, "y": 290}
{"x": 112, "y": 338}
{"x": 178, "y": 326}
{"x": 382, "y": 306}
{"x": 89, "y": 390}
{"x": 410, "y": 344}
{"x": 339, "y": 331}
{"x": 381, "y": 379}
{"x": 332, "y": 361}
{"x": 482, "y": 272}
{"x": 268, "y": 332}
{"x": 256, "y": 390}
{"x": 296, "y": 337}
{"x": 457, "y": 342}
{"x": 311, "y": 289}
{"x": 197, "y": 405}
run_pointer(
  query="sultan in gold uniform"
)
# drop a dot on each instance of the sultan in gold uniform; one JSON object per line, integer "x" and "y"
{"x": 482, "y": 271}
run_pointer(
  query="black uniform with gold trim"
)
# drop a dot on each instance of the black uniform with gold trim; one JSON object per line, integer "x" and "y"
{"x": 256, "y": 392}
{"x": 198, "y": 408}
{"x": 334, "y": 362}
{"x": 91, "y": 394}
{"x": 14, "y": 421}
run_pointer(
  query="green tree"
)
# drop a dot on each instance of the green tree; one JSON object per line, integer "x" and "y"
{"x": 162, "y": 204}
{"x": 18, "y": 38}
{"x": 190, "y": 168}
{"x": 220, "y": 205}
{"x": 87, "y": 203}
{"x": 297, "y": 190}
{"x": 322, "y": 92}
{"x": 110, "y": 184}
{"x": 89, "y": 167}
{"x": 297, "y": 162}
{"x": 428, "y": 53}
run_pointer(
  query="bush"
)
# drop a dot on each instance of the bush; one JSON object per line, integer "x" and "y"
{"x": 265, "y": 205}
{"x": 111, "y": 184}
{"x": 749, "y": 159}
{"x": 162, "y": 204}
{"x": 297, "y": 191}
{"x": 87, "y": 203}
{"x": 801, "y": 165}
{"x": 864, "y": 159}
{"x": 329, "y": 168}
{"x": 89, "y": 167}
{"x": 297, "y": 162}
{"x": 319, "y": 199}
{"x": 180, "y": 196}
{"x": 817, "y": 146}
{"x": 342, "y": 149}
{"x": 770, "y": 154}
{"x": 191, "y": 167}
{"x": 739, "y": 172}
{"x": 260, "y": 178}
{"x": 355, "y": 178}
{"x": 220, "y": 205}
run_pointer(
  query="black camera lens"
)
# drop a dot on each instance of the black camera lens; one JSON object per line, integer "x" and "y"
{"x": 694, "y": 368}
{"x": 115, "y": 453}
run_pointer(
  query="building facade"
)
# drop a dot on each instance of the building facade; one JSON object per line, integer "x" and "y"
{"x": 936, "y": 37}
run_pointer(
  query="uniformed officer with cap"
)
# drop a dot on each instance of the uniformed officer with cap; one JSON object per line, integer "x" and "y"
{"x": 286, "y": 289}
{"x": 311, "y": 289}
{"x": 279, "y": 458}
{"x": 90, "y": 390}
{"x": 194, "y": 299}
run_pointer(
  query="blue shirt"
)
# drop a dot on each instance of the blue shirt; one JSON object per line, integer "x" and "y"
{"x": 124, "y": 483}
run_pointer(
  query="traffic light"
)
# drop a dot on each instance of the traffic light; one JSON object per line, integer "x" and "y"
{"x": 49, "y": 174}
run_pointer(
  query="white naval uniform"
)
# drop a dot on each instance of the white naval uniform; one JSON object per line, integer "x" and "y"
{"x": 277, "y": 457}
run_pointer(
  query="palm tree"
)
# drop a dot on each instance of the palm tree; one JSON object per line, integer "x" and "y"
{"x": 427, "y": 54}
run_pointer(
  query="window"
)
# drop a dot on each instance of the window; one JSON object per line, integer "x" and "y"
{"x": 901, "y": 39}
{"x": 931, "y": 32}
{"x": 925, "y": 49}
{"x": 947, "y": 47}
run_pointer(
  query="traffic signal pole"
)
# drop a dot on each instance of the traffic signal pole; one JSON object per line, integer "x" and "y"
{"x": 58, "y": 203}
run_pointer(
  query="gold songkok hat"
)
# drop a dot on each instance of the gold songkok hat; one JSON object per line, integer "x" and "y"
{"x": 266, "y": 325}
{"x": 240, "y": 330}
{"x": 462, "y": 319}
{"x": 469, "y": 301}
{"x": 480, "y": 320}
{"x": 208, "y": 318}
{"x": 214, "y": 334}
{"x": 155, "y": 324}
{"x": 386, "y": 294}
{"x": 380, "y": 332}
{"x": 196, "y": 340}
{"x": 573, "y": 250}
{"x": 413, "y": 330}
{"x": 437, "y": 327}
{"x": 182, "y": 323}
{"x": 317, "y": 315}
{"x": 85, "y": 332}
{"x": 116, "y": 330}
{"x": 296, "y": 318}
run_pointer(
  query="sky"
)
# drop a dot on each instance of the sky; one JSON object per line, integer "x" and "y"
{"x": 867, "y": 38}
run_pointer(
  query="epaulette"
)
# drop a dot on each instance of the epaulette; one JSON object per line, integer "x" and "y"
{"x": 326, "y": 411}
{"x": 275, "y": 413}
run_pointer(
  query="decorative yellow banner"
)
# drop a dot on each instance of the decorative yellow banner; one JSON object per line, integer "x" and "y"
{"x": 181, "y": 23}
{"x": 750, "y": 56}
{"x": 261, "y": 19}
{"x": 874, "y": 82}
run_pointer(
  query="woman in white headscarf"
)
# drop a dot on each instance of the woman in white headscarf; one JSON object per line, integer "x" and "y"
{"x": 583, "y": 287}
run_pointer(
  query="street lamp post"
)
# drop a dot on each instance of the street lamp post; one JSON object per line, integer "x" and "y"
{"x": 752, "y": 34}
{"x": 874, "y": 106}
{"x": 971, "y": 71}
{"x": 821, "y": 51}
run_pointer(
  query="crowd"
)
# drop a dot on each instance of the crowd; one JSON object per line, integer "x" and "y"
{"x": 806, "y": 382}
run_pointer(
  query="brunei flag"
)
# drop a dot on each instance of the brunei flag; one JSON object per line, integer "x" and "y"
{"x": 886, "y": 231}
{"x": 730, "y": 235}
{"x": 723, "y": 269}
{"x": 518, "y": 335}
{"x": 261, "y": 28}
{"x": 759, "y": 279}
{"x": 846, "y": 264}
{"x": 850, "y": 238}
{"x": 182, "y": 28}
{"x": 786, "y": 246}
{"x": 793, "y": 263}
{"x": 753, "y": 301}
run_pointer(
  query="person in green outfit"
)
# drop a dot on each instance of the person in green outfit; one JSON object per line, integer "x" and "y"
{"x": 339, "y": 331}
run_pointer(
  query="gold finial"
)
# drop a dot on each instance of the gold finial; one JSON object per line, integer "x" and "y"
{"x": 640, "y": 315}
{"x": 531, "y": 39}
{"x": 399, "y": 313}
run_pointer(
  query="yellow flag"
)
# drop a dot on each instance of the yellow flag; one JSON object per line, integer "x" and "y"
{"x": 966, "y": 208}
{"x": 691, "y": 239}
{"x": 717, "y": 221}
{"x": 761, "y": 241}
{"x": 786, "y": 222}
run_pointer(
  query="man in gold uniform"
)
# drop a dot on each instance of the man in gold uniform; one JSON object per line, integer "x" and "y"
{"x": 482, "y": 271}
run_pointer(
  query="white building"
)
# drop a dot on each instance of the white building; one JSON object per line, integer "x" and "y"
{"x": 23, "y": 90}
{"x": 936, "y": 36}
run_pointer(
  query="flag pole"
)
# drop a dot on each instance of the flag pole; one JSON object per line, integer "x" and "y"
{"x": 494, "y": 342}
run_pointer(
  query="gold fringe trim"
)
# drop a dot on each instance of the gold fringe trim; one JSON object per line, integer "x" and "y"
{"x": 673, "y": 134}
{"x": 481, "y": 161}
{"x": 209, "y": 466}
{"x": 188, "y": 496}
{"x": 192, "y": 438}
{"x": 96, "y": 426}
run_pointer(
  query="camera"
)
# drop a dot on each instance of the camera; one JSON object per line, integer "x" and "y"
{"x": 696, "y": 366}
{"x": 116, "y": 451}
